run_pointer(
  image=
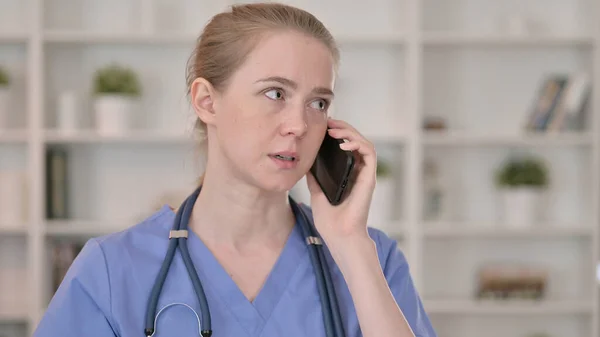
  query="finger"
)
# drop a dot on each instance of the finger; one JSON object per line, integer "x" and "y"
{"x": 353, "y": 147}
{"x": 334, "y": 124}
{"x": 367, "y": 155}
{"x": 338, "y": 123}
{"x": 350, "y": 146}
{"x": 363, "y": 176}
{"x": 348, "y": 134}
{"x": 353, "y": 137}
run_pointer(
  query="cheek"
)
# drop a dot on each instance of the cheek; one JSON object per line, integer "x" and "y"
{"x": 234, "y": 118}
{"x": 243, "y": 125}
{"x": 249, "y": 109}
{"x": 316, "y": 132}
{"x": 317, "y": 122}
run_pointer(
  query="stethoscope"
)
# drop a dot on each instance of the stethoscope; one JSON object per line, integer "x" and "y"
{"x": 179, "y": 234}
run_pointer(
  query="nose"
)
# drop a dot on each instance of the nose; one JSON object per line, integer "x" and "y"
{"x": 294, "y": 121}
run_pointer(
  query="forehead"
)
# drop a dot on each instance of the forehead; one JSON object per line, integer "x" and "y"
{"x": 292, "y": 55}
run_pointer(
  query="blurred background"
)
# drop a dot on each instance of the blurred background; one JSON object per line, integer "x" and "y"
{"x": 483, "y": 112}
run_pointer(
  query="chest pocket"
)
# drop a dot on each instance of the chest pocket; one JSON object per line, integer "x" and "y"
{"x": 177, "y": 319}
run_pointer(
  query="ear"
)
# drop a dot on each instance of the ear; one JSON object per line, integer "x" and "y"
{"x": 203, "y": 97}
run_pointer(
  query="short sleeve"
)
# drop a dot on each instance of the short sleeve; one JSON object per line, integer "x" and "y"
{"x": 81, "y": 304}
{"x": 397, "y": 272}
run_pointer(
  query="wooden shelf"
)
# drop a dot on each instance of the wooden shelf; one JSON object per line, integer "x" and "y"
{"x": 371, "y": 40}
{"x": 82, "y": 37}
{"x": 13, "y": 38}
{"x": 458, "y": 138}
{"x": 81, "y": 228}
{"x": 515, "y": 308}
{"x": 483, "y": 40}
{"x": 11, "y": 317}
{"x": 13, "y": 230}
{"x": 13, "y": 136}
{"x": 134, "y": 137}
{"x": 459, "y": 230}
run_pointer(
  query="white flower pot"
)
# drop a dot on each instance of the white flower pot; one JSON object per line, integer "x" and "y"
{"x": 113, "y": 114}
{"x": 4, "y": 107}
{"x": 520, "y": 206}
{"x": 382, "y": 205}
{"x": 12, "y": 198}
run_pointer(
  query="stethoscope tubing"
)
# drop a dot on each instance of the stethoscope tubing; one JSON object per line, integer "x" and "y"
{"x": 204, "y": 310}
{"x": 181, "y": 220}
{"x": 321, "y": 286}
{"x": 158, "y": 284}
{"x": 330, "y": 307}
{"x": 329, "y": 304}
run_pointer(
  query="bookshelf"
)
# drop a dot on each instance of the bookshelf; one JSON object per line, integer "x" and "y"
{"x": 464, "y": 61}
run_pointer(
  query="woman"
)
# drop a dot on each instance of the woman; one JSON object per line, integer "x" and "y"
{"x": 260, "y": 81}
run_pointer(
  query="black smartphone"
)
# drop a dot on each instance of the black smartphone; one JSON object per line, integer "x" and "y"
{"x": 333, "y": 169}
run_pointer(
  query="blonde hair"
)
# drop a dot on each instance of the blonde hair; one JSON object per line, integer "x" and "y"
{"x": 231, "y": 35}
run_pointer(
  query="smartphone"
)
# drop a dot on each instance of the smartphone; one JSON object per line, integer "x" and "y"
{"x": 333, "y": 169}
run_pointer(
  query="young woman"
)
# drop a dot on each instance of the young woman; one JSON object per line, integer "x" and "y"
{"x": 261, "y": 81}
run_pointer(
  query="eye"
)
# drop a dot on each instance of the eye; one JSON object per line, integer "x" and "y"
{"x": 274, "y": 94}
{"x": 320, "y": 104}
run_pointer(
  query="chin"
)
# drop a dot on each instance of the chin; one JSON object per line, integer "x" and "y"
{"x": 282, "y": 182}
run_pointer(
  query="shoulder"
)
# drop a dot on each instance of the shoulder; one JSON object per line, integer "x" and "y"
{"x": 390, "y": 254}
{"x": 97, "y": 277}
{"x": 154, "y": 228}
{"x": 104, "y": 261}
{"x": 116, "y": 252}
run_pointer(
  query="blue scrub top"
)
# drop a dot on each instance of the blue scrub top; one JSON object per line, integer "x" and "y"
{"x": 106, "y": 289}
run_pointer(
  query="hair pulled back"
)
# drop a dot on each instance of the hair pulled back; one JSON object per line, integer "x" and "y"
{"x": 230, "y": 36}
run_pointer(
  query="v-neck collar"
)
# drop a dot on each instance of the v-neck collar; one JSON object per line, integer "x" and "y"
{"x": 252, "y": 316}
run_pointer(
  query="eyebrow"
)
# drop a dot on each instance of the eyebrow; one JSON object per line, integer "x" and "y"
{"x": 294, "y": 85}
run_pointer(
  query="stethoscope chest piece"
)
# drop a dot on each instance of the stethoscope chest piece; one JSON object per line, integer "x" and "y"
{"x": 182, "y": 304}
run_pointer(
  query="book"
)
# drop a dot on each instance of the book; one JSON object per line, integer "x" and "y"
{"x": 57, "y": 174}
{"x": 561, "y": 103}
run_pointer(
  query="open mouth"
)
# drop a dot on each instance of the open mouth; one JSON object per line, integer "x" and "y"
{"x": 288, "y": 158}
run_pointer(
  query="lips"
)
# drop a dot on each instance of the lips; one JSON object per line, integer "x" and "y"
{"x": 285, "y": 160}
{"x": 287, "y": 155}
{"x": 284, "y": 157}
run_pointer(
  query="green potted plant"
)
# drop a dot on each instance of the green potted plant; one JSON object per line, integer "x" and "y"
{"x": 521, "y": 181}
{"x": 384, "y": 169}
{"x": 116, "y": 91}
{"x": 4, "y": 96}
{"x": 382, "y": 203}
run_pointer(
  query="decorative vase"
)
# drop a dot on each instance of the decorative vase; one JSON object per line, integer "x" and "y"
{"x": 114, "y": 114}
{"x": 4, "y": 107}
{"x": 520, "y": 206}
{"x": 382, "y": 203}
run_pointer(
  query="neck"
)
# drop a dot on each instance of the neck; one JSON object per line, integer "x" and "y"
{"x": 231, "y": 213}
